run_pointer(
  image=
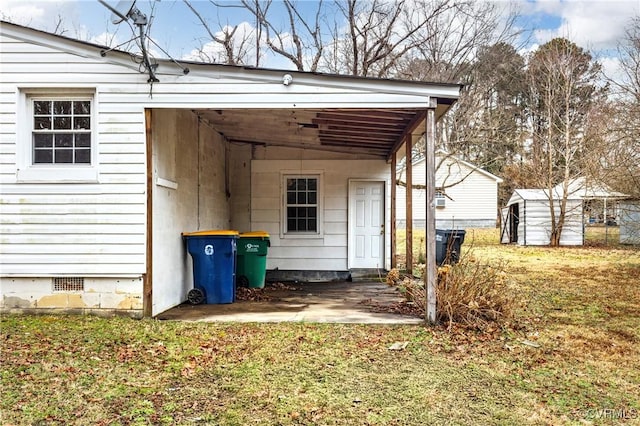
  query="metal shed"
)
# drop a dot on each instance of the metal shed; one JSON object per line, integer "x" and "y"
{"x": 526, "y": 220}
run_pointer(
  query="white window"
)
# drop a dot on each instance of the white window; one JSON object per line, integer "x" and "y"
{"x": 57, "y": 136}
{"x": 302, "y": 205}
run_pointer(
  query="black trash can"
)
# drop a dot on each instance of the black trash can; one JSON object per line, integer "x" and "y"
{"x": 448, "y": 242}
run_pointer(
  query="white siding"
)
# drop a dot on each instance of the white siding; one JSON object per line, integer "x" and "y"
{"x": 534, "y": 227}
{"x": 92, "y": 229}
{"x": 329, "y": 251}
{"x": 629, "y": 222}
{"x": 471, "y": 202}
{"x": 189, "y": 195}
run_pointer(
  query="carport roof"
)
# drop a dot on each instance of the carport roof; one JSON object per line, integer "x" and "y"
{"x": 376, "y": 132}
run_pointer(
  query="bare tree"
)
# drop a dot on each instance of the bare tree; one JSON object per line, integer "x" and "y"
{"x": 621, "y": 159}
{"x": 563, "y": 97}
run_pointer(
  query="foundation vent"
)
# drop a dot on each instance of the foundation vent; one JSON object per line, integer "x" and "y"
{"x": 68, "y": 284}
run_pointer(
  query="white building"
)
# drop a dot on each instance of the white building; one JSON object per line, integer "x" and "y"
{"x": 102, "y": 171}
{"x": 527, "y": 218}
{"x": 467, "y": 196}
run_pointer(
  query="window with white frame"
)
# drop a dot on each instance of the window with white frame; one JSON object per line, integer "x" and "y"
{"x": 302, "y": 204}
{"x": 57, "y": 136}
{"x": 61, "y": 131}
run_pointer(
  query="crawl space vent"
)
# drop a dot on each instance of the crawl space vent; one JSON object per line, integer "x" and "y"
{"x": 68, "y": 284}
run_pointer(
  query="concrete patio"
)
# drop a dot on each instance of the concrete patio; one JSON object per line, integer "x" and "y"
{"x": 332, "y": 302}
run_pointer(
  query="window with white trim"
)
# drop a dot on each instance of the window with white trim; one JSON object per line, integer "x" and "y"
{"x": 56, "y": 135}
{"x": 302, "y": 204}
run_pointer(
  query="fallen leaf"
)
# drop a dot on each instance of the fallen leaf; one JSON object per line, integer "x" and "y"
{"x": 398, "y": 346}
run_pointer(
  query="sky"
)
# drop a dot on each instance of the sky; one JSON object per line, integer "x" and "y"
{"x": 595, "y": 25}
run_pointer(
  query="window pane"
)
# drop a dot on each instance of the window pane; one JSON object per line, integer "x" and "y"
{"x": 83, "y": 140}
{"x": 82, "y": 107}
{"x": 42, "y": 107}
{"x": 312, "y": 184}
{"x": 291, "y": 212}
{"x": 64, "y": 140}
{"x": 291, "y": 225}
{"x": 302, "y": 184}
{"x": 62, "y": 107}
{"x": 302, "y": 225}
{"x": 302, "y": 212}
{"x": 312, "y": 225}
{"x": 81, "y": 123}
{"x": 302, "y": 198}
{"x": 291, "y": 197}
{"x": 63, "y": 156}
{"x": 83, "y": 156}
{"x": 311, "y": 212}
{"x": 312, "y": 198}
{"x": 43, "y": 156}
{"x": 291, "y": 184}
{"x": 42, "y": 140}
{"x": 40, "y": 123}
{"x": 62, "y": 123}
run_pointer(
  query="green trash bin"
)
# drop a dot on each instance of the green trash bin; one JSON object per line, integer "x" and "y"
{"x": 251, "y": 267}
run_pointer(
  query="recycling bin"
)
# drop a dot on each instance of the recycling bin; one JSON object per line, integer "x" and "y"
{"x": 214, "y": 265}
{"x": 252, "y": 259}
{"x": 448, "y": 243}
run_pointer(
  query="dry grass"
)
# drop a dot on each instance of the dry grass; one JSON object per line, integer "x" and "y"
{"x": 574, "y": 359}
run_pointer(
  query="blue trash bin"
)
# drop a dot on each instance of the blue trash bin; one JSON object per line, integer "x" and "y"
{"x": 214, "y": 265}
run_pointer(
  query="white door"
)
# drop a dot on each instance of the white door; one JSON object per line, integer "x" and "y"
{"x": 366, "y": 224}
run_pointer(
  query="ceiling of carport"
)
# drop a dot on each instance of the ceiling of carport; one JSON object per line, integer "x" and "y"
{"x": 375, "y": 132}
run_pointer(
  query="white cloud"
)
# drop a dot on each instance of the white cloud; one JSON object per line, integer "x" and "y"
{"x": 44, "y": 15}
{"x": 591, "y": 24}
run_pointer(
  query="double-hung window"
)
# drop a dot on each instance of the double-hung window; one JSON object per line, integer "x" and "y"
{"x": 302, "y": 205}
{"x": 57, "y": 136}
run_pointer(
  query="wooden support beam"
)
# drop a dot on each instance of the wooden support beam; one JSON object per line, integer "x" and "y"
{"x": 409, "y": 206}
{"x": 147, "y": 279}
{"x": 394, "y": 252}
{"x": 431, "y": 273}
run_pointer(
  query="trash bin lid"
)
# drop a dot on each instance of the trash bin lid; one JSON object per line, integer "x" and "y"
{"x": 255, "y": 234}
{"x": 219, "y": 232}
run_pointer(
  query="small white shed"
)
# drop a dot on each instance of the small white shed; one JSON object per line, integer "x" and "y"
{"x": 526, "y": 220}
{"x": 629, "y": 215}
{"x": 466, "y": 195}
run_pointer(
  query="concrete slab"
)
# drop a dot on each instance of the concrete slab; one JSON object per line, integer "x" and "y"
{"x": 334, "y": 302}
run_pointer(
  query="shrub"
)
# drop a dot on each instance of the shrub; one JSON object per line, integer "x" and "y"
{"x": 470, "y": 293}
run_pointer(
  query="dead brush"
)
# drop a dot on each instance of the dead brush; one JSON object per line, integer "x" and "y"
{"x": 470, "y": 293}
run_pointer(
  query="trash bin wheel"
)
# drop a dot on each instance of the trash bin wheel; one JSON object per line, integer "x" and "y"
{"x": 195, "y": 296}
{"x": 242, "y": 281}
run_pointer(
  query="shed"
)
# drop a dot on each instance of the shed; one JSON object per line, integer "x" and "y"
{"x": 103, "y": 169}
{"x": 466, "y": 195}
{"x": 629, "y": 220}
{"x": 526, "y": 220}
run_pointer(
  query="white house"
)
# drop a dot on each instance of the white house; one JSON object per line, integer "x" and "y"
{"x": 102, "y": 170}
{"x": 467, "y": 196}
{"x": 527, "y": 218}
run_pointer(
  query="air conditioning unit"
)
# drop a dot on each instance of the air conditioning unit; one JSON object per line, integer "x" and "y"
{"x": 441, "y": 202}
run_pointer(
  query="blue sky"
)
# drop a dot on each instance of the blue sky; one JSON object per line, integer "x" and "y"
{"x": 595, "y": 25}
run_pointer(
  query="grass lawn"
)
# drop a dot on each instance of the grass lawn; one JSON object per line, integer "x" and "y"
{"x": 572, "y": 356}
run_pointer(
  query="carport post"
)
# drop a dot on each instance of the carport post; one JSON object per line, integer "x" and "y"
{"x": 430, "y": 274}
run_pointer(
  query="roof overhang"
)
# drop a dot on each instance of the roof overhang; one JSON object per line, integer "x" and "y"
{"x": 350, "y": 114}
